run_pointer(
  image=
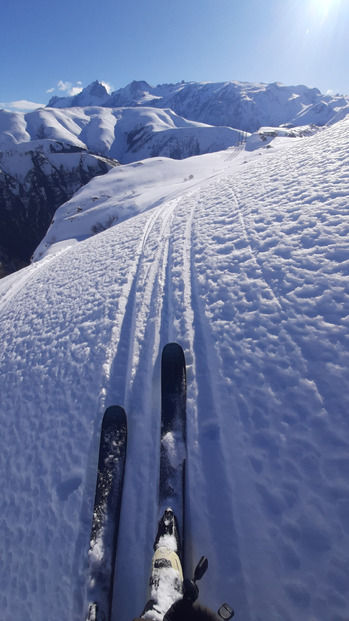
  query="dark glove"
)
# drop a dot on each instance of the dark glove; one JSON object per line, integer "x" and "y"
{"x": 190, "y": 590}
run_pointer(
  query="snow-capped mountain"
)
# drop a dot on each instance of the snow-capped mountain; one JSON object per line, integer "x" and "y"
{"x": 242, "y": 105}
{"x": 242, "y": 257}
{"x": 93, "y": 95}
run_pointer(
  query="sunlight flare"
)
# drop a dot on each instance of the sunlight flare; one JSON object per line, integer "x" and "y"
{"x": 323, "y": 7}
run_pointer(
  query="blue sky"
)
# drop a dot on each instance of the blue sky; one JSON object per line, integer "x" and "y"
{"x": 51, "y": 47}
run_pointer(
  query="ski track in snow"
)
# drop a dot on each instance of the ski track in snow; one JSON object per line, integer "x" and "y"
{"x": 144, "y": 334}
{"x": 249, "y": 272}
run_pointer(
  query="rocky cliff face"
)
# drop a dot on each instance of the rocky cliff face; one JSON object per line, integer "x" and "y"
{"x": 35, "y": 179}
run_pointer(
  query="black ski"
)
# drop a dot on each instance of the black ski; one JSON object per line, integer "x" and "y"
{"x": 106, "y": 513}
{"x": 173, "y": 433}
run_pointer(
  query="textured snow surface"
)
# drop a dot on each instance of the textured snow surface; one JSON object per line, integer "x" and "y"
{"x": 248, "y": 270}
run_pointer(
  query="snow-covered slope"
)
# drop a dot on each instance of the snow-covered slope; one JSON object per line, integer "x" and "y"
{"x": 248, "y": 270}
{"x": 125, "y": 134}
{"x": 128, "y": 190}
{"x": 242, "y": 105}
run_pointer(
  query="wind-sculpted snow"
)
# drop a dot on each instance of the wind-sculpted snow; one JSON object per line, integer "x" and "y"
{"x": 248, "y": 270}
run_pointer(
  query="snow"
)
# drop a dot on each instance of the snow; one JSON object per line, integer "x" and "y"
{"x": 175, "y": 449}
{"x": 246, "y": 265}
{"x": 130, "y": 190}
{"x": 12, "y": 128}
{"x": 59, "y": 126}
{"x": 126, "y": 134}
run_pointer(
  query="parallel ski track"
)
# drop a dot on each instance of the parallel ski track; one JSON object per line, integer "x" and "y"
{"x": 137, "y": 340}
{"x": 215, "y": 438}
{"x": 139, "y": 322}
{"x": 163, "y": 304}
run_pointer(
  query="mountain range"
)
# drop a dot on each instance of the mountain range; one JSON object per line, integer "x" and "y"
{"x": 242, "y": 105}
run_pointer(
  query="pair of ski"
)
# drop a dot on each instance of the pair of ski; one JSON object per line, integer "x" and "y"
{"x": 110, "y": 478}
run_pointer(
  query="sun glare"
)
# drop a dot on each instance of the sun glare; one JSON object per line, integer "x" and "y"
{"x": 323, "y": 7}
{"x": 324, "y": 14}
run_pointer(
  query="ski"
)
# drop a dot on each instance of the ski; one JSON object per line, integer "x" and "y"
{"x": 106, "y": 514}
{"x": 173, "y": 434}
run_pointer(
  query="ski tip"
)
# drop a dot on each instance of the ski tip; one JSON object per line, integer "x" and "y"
{"x": 172, "y": 348}
{"x": 114, "y": 414}
{"x": 115, "y": 410}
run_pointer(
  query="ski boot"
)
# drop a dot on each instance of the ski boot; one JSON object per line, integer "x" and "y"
{"x": 167, "y": 534}
{"x": 166, "y": 580}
